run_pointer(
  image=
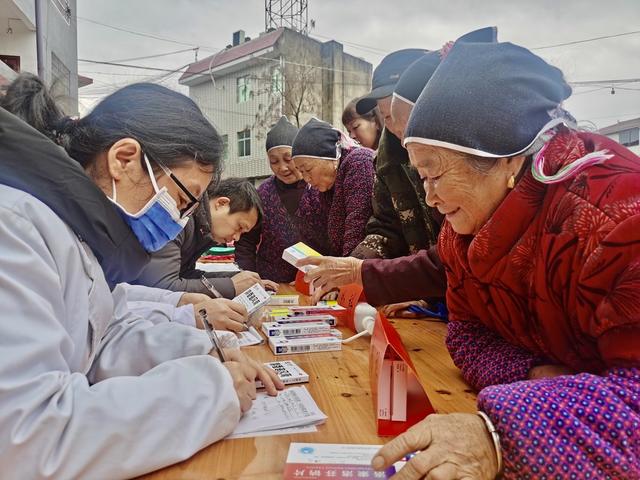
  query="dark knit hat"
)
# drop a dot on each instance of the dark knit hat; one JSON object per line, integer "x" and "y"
{"x": 414, "y": 79}
{"x": 317, "y": 139}
{"x": 282, "y": 134}
{"x": 488, "y": 99}
{"x": 386, "y": 75}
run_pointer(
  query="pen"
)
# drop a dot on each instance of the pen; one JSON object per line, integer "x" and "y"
{"x": 207, "y": 284}
{"x": 213, "y": 336}
{"x": 214, "y": 291}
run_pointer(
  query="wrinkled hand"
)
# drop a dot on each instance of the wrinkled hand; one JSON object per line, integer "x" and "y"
{"x": 453, "y": 446}
{"x": 246, "y": 279}
{"x": 399, "y": 310}
{"x": 223, "y": 314}
{"x": 330, "y": 273}
{"x": 549, "y": 371}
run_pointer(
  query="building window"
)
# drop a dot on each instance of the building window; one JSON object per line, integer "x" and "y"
{"x": 12, "y": 61}
{"x": 243, "y": 90}
{"x": 225, "y": 147}
{"x": 61, "y": 77}
{"x": 629, "y": 137}
{"x": 244, "y": 143}
{"x": 277, "y": 84}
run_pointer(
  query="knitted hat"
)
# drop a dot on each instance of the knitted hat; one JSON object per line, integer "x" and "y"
{"x": 317, "y": 139}
{"x": 488, "y": 99}
{"x": 414, "y": 79}
{"x": 282, "y": 134}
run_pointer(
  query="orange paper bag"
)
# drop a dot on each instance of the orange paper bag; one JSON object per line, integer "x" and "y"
{"x": 399, "y": 399}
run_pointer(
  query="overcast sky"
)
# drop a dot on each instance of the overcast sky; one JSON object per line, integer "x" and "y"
{"x": 377, "y": 26}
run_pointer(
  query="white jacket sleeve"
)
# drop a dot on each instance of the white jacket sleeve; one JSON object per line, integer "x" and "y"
{"x": 163, "y": 312}
{"x": 53, "y": 421}
{"x": 143, "y": 293}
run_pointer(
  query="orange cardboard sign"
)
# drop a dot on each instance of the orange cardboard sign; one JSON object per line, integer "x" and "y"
{"x": 388, "y": 350}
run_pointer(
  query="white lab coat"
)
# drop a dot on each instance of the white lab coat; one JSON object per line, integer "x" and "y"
{"x": 88, "y": 389}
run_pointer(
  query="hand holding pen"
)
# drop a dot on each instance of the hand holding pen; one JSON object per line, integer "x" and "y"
{"x": 224, "y": 314}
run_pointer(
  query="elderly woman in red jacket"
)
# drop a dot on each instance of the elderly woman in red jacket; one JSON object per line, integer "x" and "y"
{"x": 541, "y": 245}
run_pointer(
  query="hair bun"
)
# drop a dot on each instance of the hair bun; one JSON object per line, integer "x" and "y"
{"x": 64, "y": 129}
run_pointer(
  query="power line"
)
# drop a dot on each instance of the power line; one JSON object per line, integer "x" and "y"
{"x": 157, "y": 55}
{"x": 147, "y": 35}
{"x": 586, "y": 40}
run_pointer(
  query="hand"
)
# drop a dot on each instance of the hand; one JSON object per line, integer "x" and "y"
{"x": 549, "y": 371}
{"x": 269, "y": 378}
{"x": 453, "y": 446}
{"x": 225, "y": 314}
{"x": 192, "y": 299}
{"x": 246, "y": 279}
{"x": 244, "y": 386}
{"x": 400, "y": 310}
{"x": 331, "y": 272}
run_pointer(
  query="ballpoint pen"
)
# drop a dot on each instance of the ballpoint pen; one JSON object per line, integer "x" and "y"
{"x": 213, "y": 336}
{"x": 439, "y": 311}
{"x": 209, "y": 286}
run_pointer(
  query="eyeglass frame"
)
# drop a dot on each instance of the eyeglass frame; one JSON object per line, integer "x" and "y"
{"x": 193, "y": 201}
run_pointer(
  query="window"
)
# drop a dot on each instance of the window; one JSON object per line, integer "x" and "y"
{"x": 225, "y": 147}
{"x": 61, "y": 77}
{"x": 243, "y": 90}
{"x": 629, "y": 138}
{"x": 277, "y": 84}
{"x": 244, "y": 143}
{"x": 12, "y": 61}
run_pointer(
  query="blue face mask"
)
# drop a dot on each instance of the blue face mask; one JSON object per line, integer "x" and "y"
{"x": 158, "y": 222}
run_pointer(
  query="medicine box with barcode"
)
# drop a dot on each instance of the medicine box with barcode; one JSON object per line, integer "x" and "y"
{"x": 298, "y": 252}
{"x": 275, "y": 329}
{"x": 253, "y": 298}
{"x": 283, "y": 319}
{"x": 289, "y": 372}
{"x": 287, "y": 345}
{"x": 284, "y": 300}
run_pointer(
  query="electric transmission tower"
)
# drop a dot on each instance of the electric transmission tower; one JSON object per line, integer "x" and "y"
{"x": 293, "y": 14}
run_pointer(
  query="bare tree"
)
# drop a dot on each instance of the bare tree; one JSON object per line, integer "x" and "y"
{"x": 289, "y": 88}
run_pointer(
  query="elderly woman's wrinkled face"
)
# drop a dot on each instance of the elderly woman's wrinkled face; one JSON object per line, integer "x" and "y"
{"x": 282, "y": 165}
{"x": 465, "y": 195}
{"x": 317, "y": 172}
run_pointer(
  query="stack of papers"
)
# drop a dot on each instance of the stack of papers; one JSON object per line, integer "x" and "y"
{"x": 292, "y": 408}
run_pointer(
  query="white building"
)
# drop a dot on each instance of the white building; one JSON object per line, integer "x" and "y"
{"x": 245, "y": 88}
{"x": 626, "y": 133}
{"x": 59, "y": 46}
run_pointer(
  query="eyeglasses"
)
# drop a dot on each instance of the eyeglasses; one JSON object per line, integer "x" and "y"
{"x": 193, "y": 201}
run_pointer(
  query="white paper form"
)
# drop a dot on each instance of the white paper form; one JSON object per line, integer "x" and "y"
{"x": 293, "y": 407}
{"x": 249, "y": 337}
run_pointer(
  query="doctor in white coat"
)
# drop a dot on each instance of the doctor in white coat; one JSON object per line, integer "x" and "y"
{"x": 87, "y": 388}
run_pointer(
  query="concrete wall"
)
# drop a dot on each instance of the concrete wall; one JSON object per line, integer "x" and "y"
{"x": 229, "y": 117}
{"x": 61, "y": 39}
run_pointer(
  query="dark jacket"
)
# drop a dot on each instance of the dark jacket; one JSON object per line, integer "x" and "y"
{"x": 173, "y": 267}
{"x": 260, "y": 250}
{"x": 402, "y": 223}
{"x": 34, "y": 164}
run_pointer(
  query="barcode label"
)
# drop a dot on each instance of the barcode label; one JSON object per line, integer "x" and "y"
{"x": 294, "y": 331}
{"x": 300, "y": 348}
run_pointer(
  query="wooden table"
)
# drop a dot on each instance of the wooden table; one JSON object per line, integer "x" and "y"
{"x": 339, "y": 383}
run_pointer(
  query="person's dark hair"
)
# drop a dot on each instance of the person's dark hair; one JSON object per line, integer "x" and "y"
{"x": 169, "y": 126}
{"x": 242, "y": 194}
{"x": 27, "y": 97}
{"x": 350, "y": 114}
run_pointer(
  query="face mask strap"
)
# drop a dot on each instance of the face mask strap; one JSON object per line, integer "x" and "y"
{"x": 151, "y": 175}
